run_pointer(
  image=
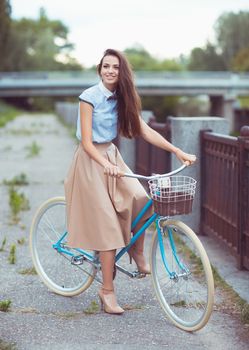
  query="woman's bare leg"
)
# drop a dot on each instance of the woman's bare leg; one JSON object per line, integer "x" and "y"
{"x": 106, "y": 293}
{"x": 137, "y": 252}
{"x": 107, "y": 259}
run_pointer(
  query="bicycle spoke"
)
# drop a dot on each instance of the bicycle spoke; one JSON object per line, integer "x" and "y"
{"x": 185, "y": 297}
{"x": 59, "y": 274}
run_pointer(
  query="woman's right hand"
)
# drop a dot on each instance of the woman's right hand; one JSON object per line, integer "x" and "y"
{"x": 185, "y": 158}
{"x": 112, "y": 170}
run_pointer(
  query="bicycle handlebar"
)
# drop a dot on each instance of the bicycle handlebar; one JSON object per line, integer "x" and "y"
{"x": 157, "y": 176}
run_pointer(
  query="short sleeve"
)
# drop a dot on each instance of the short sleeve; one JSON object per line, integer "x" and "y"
{"x": 88, "y": 97}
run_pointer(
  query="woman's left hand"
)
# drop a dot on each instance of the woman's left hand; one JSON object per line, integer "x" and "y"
{"x": 185, "y": 158}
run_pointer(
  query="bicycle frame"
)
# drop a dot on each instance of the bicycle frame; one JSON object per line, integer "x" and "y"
{"x": 83, "y": 255}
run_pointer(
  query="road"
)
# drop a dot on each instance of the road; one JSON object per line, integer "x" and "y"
{"x": 39, "y": 319}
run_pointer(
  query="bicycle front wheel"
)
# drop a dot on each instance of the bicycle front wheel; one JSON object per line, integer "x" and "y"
{"x": 182, "y": 279}
{"x": 52, "y": 265}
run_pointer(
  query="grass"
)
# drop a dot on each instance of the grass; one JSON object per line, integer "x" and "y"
{"x": 7, "y": 113}
{"x": 5, "y": 305}
{"x": 18, "y": 180}
{"x": 21, "y": 241}
{"x": 67, "y": 315}
{"x": 17, "y": 202}
{"x": 2, "y": 248}
{"x": 12, "y": 254}
{"x": 6, "y": 346}
{"x": 179, "y": 303}
{"x": 22, "y": 132}
{"x": 28, "y": 271}
{"x": 245, "y": 314}
{"x": 92, "y": 309}
{"x": 33, "y": 150}
{"x": 233, "y": 303}
{"x": 133, "y": 307}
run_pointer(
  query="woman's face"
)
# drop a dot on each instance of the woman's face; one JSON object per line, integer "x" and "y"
{"x": 110, "y": 71}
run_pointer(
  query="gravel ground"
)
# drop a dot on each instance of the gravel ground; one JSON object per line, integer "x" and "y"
{"x": 39, "y": 319}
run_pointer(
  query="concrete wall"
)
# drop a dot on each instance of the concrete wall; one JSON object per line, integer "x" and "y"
{"x": 185, "y": 134}
{"x": 68, "y": 112}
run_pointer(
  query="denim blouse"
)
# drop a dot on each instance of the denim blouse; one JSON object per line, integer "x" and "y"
{"x": 104, "y": 118}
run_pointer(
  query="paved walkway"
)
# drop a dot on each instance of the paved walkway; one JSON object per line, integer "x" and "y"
{"x": 39, "y": 319}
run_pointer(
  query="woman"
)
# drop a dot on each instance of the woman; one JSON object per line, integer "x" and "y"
{"x": 100, "y": 203}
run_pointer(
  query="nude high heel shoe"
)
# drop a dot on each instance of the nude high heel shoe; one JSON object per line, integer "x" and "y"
{"x": 108, "y": 302}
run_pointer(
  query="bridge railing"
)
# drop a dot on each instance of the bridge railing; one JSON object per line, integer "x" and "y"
{"x": 225, "y": 191}
{"x": 138, "y": 74}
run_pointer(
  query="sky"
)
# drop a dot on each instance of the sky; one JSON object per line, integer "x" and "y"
{"x": 165, "y": 28}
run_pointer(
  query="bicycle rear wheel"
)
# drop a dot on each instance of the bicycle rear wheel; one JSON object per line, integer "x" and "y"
{"x": 187, "y": 295}
{"x": 54, "y": 267}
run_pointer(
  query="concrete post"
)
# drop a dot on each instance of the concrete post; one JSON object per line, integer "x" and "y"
{"x": 228, "y": 107}
{"x": 185, "y": 134}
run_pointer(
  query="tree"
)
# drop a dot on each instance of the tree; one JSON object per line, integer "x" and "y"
{"x": 240, "y": 63}
{"x": 206, "y": 59}
{"x": 232, "y": 34}
{"x": 140, "y": 59}
{"x": 39, "y": 45}
{"x": 5, "y": 22}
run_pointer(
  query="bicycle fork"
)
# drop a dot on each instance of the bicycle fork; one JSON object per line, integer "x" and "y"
{"x": 172, "y": 274}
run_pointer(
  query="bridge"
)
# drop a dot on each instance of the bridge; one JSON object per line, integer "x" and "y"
{"x": 221, "y": 87}
{"x": 226, "y": 84}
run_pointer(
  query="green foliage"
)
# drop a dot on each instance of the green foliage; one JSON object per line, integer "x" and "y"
{"x": 161, "y": 106}
{"x": 7, "y": 113}
{"x": 192, "y": 106}
{"x": 33, "y": 150}
{"x": 92, "y": 309}
{"x": 17, "y": 202}
{"x": 3, "y": 244}
{"x": 28, "y": 271}
{"x": 240, "y": 63}
{"x": 232, "y": 34}
{"x": 18, "y": 180}
{"x": 5, "y": 23}
{"x": 231, "y": 49}
{"x": 245, "y": 314}
{"x": 5, "y": 305}
{"x": 206, "y": 59}
{"x": 141, "y": 60}
{"x": 7, "y": 346}
{"x": 244, "y": 101}
{"x": 12, "y": 254}
{"x": 40, "y": 44}
{"x": 21, "y": 241}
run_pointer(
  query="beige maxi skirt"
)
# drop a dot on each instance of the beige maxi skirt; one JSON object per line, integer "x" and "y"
{"x": 101, "y": 208}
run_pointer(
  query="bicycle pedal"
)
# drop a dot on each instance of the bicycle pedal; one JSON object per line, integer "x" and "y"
{"x": 137, "y": 274}
{"x": 77, "y": 260}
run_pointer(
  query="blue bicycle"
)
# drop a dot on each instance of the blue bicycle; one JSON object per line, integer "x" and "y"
{"x": 180, "y": 268}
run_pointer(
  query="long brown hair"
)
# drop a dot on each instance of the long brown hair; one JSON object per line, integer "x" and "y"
{"x": 128, "y": 101}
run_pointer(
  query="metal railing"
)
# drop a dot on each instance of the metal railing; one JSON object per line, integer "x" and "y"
{"x": 151, "y": 159}
{"x": 225, "y": 191}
